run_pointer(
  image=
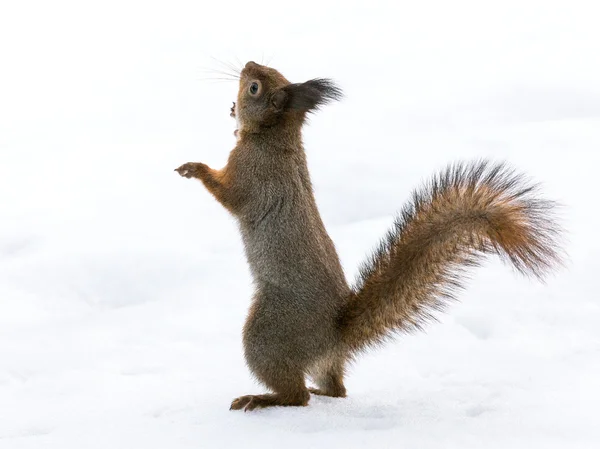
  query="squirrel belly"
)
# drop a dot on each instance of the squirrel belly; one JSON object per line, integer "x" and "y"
{"x": 305, "y": 320}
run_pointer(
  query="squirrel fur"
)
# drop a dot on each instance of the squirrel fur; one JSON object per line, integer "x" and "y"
{"x": 305, "y": 320}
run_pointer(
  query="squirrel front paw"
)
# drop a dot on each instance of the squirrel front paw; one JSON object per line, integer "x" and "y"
{"x": 232, "y": 113}
{"x": 190, "y": 169}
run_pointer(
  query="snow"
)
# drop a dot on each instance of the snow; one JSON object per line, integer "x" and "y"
{"x": 123, "y": 287}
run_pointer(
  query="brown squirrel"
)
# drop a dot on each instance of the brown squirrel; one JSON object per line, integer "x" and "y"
{"x": 305, "y": 320}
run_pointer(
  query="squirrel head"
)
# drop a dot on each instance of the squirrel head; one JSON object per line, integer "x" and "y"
{"x": 267, "y": 99}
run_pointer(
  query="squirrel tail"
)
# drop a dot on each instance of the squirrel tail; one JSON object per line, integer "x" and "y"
{"x": 463, "y": 213}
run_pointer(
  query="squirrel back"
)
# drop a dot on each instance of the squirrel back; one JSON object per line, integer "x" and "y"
{"x": 305, "y": 320}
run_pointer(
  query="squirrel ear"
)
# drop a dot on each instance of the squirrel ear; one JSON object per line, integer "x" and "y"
{"x": 279, "y": 99}
{"x": 310, "y": 95}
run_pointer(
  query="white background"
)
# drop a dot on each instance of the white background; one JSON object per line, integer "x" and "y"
{"x": 123, "y": 287}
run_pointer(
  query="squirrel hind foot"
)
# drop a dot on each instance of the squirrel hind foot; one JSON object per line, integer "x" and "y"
{"x": 329, "y": 378}
{"x": 331, "y": 384}
{"x": 251, "y": 402}
{"x": 330, "y": 393}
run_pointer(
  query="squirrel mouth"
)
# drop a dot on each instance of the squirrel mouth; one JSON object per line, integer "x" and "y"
{"x": 232, "y": 114}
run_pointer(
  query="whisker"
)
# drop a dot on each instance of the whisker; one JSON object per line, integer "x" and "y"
{"x": 217, "y": 79}
{"x": 269, "y": 61}
{"x": 237, "y": 69}
{"x": 227, "y": 65}
{"x": 238, "y": 61}
{"x": 219, "y": 72}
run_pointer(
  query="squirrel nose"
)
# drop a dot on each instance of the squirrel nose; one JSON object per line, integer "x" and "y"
{"x": 250, "y": 64}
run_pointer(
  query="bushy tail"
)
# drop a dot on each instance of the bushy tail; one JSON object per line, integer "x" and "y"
{"x": 462, "y": 214}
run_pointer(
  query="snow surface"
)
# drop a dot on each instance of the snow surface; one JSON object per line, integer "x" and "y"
{"x": 123, "y": 287}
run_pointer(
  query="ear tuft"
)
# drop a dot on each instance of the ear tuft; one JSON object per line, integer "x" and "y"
{"x": 309, "y": 96}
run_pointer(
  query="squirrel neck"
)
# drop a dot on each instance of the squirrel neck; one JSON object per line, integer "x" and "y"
{"x": 284, "y": 134}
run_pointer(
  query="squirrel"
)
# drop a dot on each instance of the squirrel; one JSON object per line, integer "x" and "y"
{"x": 305, "y": 320}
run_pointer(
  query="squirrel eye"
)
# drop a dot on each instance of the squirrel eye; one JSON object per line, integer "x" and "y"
{"x": 253, "y": 88}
